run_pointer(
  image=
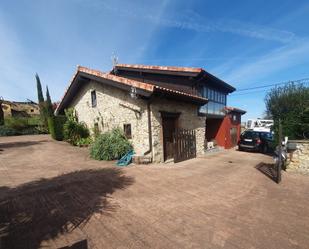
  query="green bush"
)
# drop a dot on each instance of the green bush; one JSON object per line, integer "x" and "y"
{"x": 84, "y": 142}
{"x": 110, "y": 146}
{"x": 17, "y": 123}
{"x": 7, "y": 131}
{"x": 74, "y": 131}
{"x": 20, "y": 126}
{"x": 56, "y": 126}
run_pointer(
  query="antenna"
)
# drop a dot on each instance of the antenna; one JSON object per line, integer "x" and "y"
{"x": 114, "y": 62}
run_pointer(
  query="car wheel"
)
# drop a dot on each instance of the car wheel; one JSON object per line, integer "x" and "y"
{"x": 265, "y": 148}
{"x": 240, "y": 148}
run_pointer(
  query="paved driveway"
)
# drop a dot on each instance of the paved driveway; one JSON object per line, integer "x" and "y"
{"x": 53, "y": 195}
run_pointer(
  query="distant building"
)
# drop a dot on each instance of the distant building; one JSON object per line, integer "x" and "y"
{"x": 20, "y": 109}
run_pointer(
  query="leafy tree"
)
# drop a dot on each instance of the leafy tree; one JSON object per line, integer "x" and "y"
{"x": 289, "y": 103}
{"x": 49, "y": 105}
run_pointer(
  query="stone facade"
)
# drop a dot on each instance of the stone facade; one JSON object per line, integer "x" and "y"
{"x": 115, "y": 108}
{"x": 188, "y": 119}
{"x": 22, "y": 109}
{"x": 300, "y": 157}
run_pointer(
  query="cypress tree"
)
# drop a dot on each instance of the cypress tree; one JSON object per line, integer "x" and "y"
{"x": 39, "y": 88}
{"x": 49, "y": 105}
{"x": 42, "y": 104}
{"x": 1, "y": 113}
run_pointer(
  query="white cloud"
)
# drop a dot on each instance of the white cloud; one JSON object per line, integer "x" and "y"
{"x": 277, "y": 60}
{"x": 194, "y": 22}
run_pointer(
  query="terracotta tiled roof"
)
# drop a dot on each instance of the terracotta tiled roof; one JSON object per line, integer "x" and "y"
{"x": 234, "y": 109}
{"x": 125, "y": 81}
{"x": 133, "y": 83}
{"x": 162, "y": 68}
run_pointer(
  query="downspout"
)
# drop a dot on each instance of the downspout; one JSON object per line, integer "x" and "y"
{"x": 149, "y": 128}
{"x": 149, "y": 124}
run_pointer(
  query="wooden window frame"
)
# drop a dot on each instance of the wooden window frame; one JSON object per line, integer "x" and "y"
{"x": 93, "y": 98}
{"x": 127, "y": 129}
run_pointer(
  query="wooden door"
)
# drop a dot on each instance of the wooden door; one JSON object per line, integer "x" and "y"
{"x": 184, "y": 144}
{"x": 169, "y": 126}
{"x": 233, "y": 133}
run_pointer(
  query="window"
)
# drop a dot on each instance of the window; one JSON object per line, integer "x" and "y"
{"x": 234, "y": 117}
{"x": 127, "y": 130}
{"x": 216, "y": 101}
{"x": 31, "y": 110}
{"x": 93, "y": 98}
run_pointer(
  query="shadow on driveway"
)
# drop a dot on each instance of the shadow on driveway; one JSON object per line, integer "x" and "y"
{"x": 43, "y": 209}
{"x": 20, "y": 144}
{"x": 268, "y": 169}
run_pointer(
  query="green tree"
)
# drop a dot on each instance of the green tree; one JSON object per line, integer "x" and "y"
{"x": 49, "y": 105}
{"x": 289, "y": 103}
{"x": 42, "y": 104}
{"x": 39, "y": 89}
{"x": 1, "y": 113}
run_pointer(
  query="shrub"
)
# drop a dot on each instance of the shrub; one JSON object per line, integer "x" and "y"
{"x": 110, "y": 146}
{"x": 84, "y": 142}
{"x": 7, "y": 131}
{"x": 74, "y": 131}
{"x": 55, "y": 126}
{"x": 16, "y": 123}
{"x": 20, "y": 126}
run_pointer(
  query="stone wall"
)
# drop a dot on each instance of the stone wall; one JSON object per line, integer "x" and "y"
{"x": 300, "y": 157}
{"x": 188, "y": 119}
{"x": 115, "y": 108}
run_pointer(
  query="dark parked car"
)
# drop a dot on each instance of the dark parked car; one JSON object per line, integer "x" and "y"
{"x": 256, "y": 141}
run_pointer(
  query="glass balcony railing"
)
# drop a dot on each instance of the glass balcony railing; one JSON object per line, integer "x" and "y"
{"x": 213, "y": 108}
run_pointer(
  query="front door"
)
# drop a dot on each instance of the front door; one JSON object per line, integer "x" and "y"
{"x": 233, "y": 134}
{"x": 169, "y": 126}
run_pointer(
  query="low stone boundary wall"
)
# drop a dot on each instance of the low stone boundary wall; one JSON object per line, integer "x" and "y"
{"x": 299, "y": 159}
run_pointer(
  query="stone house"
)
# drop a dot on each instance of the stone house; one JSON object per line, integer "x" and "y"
{"x": 150, "y": 103}
{"x": 20, "y": 109}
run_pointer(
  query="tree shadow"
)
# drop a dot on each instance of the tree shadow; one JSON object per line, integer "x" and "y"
{"x": 83, "y": 244}
{"x": 43, "y": 209}
{"x": 268, "y": 169}
{"x": 20, "y": 144}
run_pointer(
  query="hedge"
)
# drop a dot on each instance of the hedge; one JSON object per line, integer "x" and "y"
{"x": 55, "y": 126}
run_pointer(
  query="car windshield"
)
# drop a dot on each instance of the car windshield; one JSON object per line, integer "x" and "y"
{"x": 250, "y": 134}
{"x": 267, "y": 135}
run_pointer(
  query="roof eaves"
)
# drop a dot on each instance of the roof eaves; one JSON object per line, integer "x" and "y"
{"x": 67, "y": 89}
{"x": 161, "y": 68}
{"x": 234, "y": 109}
{"x": 196, "y": 97}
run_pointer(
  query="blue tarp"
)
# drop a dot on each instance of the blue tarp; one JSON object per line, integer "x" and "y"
{"x": 126, "y": 159}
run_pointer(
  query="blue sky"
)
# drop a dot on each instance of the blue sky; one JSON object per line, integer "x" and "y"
{"x": 246, "y": 43}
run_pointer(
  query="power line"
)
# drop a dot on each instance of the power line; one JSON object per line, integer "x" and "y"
{"x": 300, "y": 81}
{"x": 259, "y": 91}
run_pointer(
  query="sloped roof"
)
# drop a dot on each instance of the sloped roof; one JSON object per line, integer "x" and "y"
{"x": 234, "y": 109}
{"x": 147, "y": 87}
{"x": 175, "y": 71}
{"x": 192, "y": 70}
